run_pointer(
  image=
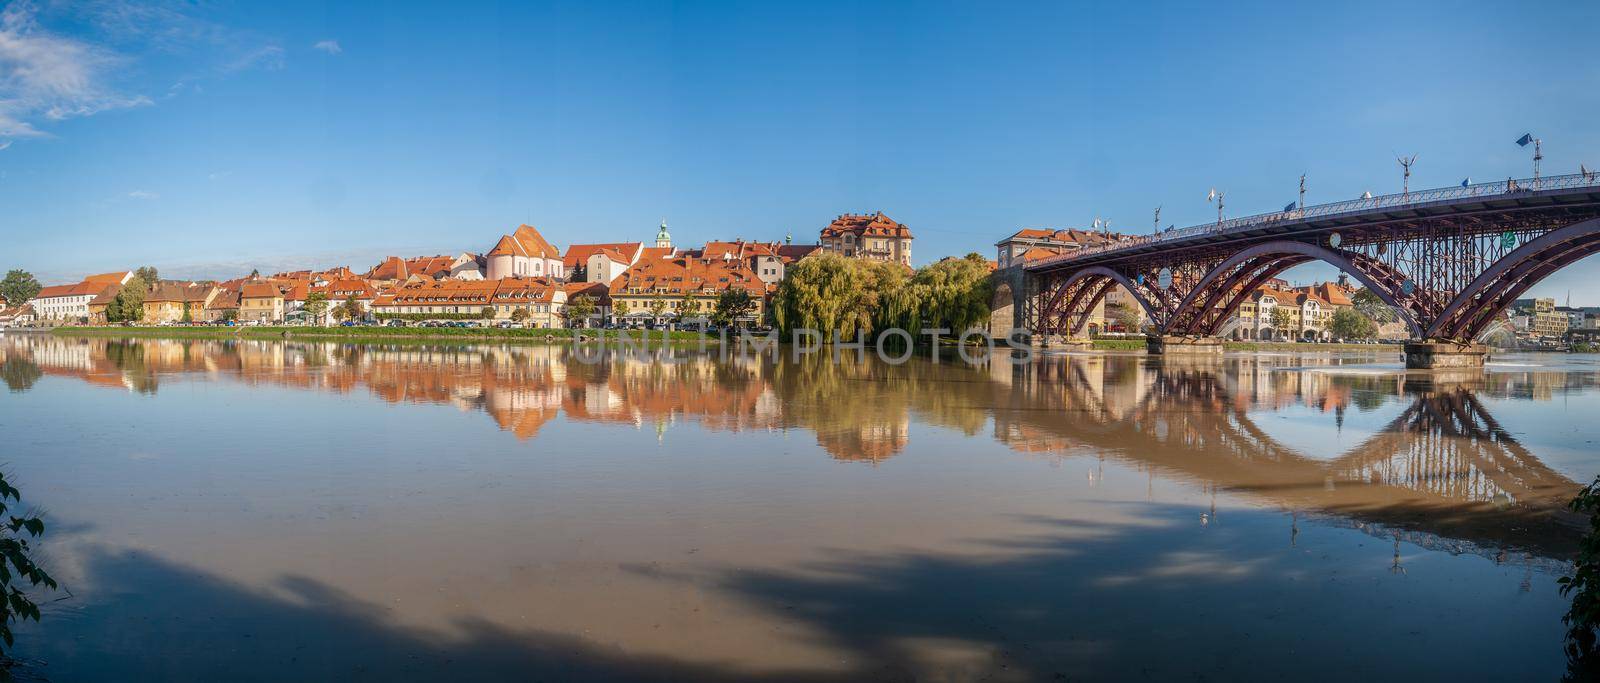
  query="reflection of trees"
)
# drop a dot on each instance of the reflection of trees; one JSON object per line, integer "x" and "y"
{"x": 19, "y": 373}
{"x": 1442, "y": 465}
{"x": 129, "y": 358}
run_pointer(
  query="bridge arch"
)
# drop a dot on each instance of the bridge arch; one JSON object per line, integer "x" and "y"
{"x": 1263, "y": 261}
{"x": 1086, "y": 288}
{"x": 1474, "y": 309}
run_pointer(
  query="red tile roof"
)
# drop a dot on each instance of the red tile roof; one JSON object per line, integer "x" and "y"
{"x": 578, "y": 254}
{"x": 874, "y": 225}
{"x": 79, "y": 289}
{"x": 676, "y": 275}
{"x": 525, "y": 241}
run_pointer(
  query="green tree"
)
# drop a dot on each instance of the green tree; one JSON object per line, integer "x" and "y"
{"x": 953, "y": 293}
{"x": 19, "y": 287}
{"x": 520, "y": 315}
{"x": 339, "y": 313}
{"x": 128, "y": 304}
{"x": 1282, "y": 320}
{"x": 657, "y": 306}
{"x": 316, "y": 305}
{"x": 1368, "y": 303}
{"x": 688, "y": 305}
{"x": 352, "y": 308}
{"x": 619, "y": 308}
{"x": 579, "y": 309}
{"x": 149, "y": 274}
{"x": 732, "y": 305}
{"x": 487, "y": 313}
{"x": 1348, "y": 323}
{"x": 14, "y": 550}
{"x": 1124, "y": 315}
{"x": 829, "y": 293}
{"x": 230, "y": 314}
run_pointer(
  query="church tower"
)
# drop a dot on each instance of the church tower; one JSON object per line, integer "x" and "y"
{"x": 663, "y": 238}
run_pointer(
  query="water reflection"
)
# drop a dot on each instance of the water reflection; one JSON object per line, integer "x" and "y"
{"x": 1442, "y": 466}
{"x": 1010, "y": 521}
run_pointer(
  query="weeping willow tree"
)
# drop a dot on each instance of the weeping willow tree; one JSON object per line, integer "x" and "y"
{"x": 843, "y": 298}
{"x": 828, "y": 293}
{"x": 954, "y": 294}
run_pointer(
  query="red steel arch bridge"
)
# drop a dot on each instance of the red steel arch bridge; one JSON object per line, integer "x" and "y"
{"x": 1449, "y": 261}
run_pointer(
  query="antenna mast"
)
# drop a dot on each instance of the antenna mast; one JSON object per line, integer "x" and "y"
{"x": 1302, "y": 192}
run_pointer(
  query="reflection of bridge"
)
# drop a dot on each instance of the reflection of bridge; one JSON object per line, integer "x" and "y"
{"x": 1448, "y": 260}
{"x": 1443, "y": 465}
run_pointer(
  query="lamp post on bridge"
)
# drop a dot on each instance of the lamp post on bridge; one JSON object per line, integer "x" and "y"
{"x": 1215, "y": 196}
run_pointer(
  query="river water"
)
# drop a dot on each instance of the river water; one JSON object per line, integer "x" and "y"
{"x": 301, "y": 511}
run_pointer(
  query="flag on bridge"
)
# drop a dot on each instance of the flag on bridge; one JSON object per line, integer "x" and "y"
{"x": 1466, "y": 181}
{"x": 1525, "y": 139}
{"x": 1290, "y": 207}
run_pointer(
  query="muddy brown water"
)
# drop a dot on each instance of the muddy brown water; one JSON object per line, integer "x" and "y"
{"x": 301, "y": 511}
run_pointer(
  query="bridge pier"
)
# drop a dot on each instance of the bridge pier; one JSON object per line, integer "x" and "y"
{"x": 1160, "y": 344}
{"x": 1431, "y": 354}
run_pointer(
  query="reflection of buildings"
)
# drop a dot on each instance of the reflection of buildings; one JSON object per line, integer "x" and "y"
{"x": 1443, "y": 466}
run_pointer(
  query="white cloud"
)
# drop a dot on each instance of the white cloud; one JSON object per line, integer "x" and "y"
{"x": 141, "y": 194}
{"x": 329, "y": 46}
{"x": 268, "y": 57}
{"x": 48, "y": 77}
{"x": 3, "y": 145}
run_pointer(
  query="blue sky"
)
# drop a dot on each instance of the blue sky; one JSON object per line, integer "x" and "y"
{"x": 210, "y": 139}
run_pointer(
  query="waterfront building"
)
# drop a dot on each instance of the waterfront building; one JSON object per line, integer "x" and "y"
{"x": 394, "y": 270}
{"x": 262, "y": 301}
{"x": 601, "y": 262}
{"x": 874, "y": 237}
{"x": 687, "y": 288}
{"x": 543, "y": 299}
{"x": 1031, "y": 244}
{"x": 70, "y": 303}
{"x": 169, "y": 302}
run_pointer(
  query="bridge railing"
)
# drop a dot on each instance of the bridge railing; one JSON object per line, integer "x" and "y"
{"x": 1508, "y": 187}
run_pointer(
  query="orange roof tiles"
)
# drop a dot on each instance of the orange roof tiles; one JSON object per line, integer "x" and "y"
{"x": 168, "y": 290}
{"x": 116, "y": 278}
{"x": 875, "y": 225}
{"x": 578, "y": 254}
{"x": 260, "y": 290}
{"x": 79, "y": 289}
{"x": 677, "y": 275}
{"x": 525, "y": 241}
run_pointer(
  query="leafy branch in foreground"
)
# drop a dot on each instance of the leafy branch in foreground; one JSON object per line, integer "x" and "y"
{"x": 1583, "y": 618}
{"x": 15, "y": 564}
